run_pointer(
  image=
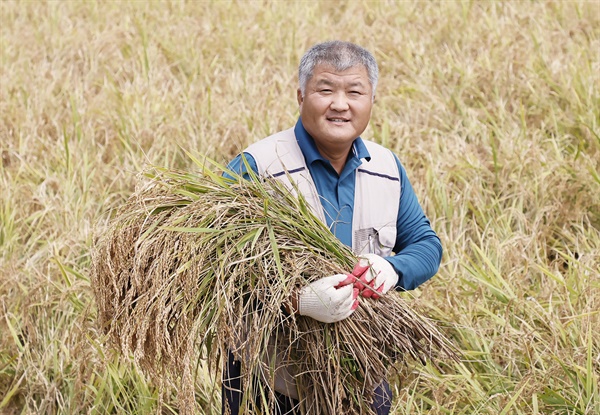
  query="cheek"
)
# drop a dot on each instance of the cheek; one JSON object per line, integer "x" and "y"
{"x": 317, "y": 105}
{"x": 364, "y": 112}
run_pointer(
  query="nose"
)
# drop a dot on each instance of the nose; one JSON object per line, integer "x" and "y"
{"x": 339, "y": 102}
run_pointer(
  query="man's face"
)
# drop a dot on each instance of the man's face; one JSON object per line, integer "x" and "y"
{"x": 336, "y": 106}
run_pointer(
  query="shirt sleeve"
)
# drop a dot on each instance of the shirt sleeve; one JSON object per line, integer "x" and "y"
{"x": 238, "y": 166}
{"x": 418, "y": 248}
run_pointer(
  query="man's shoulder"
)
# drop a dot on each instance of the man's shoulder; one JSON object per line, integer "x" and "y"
{"x": 383, "y": 161}
{"x": 372, "y": 144}
{"x": 284, "y": 135}
{"x": 379, "y": 151}
{"x": 277, "y": 152}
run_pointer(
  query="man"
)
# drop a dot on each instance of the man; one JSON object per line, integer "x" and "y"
{"x": 358, "y": 188}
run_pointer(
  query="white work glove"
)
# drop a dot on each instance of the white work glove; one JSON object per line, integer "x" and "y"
{"x": 380, "y": 276}
{"x": 323, "y": 301}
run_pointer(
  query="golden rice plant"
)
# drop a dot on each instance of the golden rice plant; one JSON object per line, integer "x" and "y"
{"x": 194, "y": 265}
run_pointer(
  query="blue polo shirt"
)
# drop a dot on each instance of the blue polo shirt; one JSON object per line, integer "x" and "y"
{"x": 418, "y": 248}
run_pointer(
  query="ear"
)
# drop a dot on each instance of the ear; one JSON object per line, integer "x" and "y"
{"x": 299, "y": 96}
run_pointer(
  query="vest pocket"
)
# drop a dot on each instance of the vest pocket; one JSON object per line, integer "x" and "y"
{"x": 385, "y": 241}
{"x": 379, "y": 241}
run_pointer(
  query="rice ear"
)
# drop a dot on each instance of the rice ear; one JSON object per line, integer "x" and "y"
{"x": 196, "y": 265}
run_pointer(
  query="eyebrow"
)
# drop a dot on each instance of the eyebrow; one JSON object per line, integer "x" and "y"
{"x": 357, "y": 83}
{"x": 325, "y": 82}
{"x": 331, "y": 83}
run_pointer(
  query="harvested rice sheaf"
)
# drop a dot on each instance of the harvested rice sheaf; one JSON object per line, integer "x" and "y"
{"x": 195, "y": 265}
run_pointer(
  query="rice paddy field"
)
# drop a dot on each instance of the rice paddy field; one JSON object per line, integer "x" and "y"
{"x": 493, "y": 108}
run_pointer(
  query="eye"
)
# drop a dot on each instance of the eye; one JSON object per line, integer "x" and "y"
{"x": 325, "y": 91}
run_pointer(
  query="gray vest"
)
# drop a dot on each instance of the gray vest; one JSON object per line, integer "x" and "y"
{"x": 376, "y": 195}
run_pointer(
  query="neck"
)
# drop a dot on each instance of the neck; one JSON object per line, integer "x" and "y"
{"x": 337, "y": 156}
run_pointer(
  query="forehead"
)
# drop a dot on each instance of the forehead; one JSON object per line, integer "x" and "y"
{"x": 355, "y": 75}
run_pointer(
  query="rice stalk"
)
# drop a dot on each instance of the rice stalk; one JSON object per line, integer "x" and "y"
{"x": 194, "y": 265}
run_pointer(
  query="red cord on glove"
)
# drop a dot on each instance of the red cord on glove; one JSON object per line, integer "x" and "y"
{"x": 362, "y": 286}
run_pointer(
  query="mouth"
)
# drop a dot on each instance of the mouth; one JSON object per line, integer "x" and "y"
{"x": 337, "y": 119}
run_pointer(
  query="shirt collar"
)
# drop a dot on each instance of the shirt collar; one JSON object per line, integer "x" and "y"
{"x": 311, "y": 153}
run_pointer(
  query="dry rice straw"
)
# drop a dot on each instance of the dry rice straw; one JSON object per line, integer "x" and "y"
{"x": 193, "y": 265}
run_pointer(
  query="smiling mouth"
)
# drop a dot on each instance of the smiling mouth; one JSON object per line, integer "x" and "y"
{"x": 337, "y": 120}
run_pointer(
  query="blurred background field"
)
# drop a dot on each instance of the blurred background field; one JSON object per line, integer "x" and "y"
{"x": 493, "y": 108}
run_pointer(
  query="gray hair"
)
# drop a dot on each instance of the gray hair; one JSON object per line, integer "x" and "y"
{"x": 339, "y": 54}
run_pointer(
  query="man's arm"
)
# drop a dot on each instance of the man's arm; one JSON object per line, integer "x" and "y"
{"x": 418, "y": 248}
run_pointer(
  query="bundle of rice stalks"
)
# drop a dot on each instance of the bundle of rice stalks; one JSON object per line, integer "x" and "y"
{"x": 195, "y": 265}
